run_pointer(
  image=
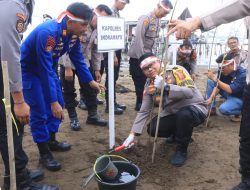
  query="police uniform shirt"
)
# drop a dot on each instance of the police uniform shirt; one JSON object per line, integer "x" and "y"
{"x": 15, "y": 16}
{"x": 147, "y": 30}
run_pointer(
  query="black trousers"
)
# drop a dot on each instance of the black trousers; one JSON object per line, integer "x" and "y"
{"x": 116, "y": 72}
{"x": 245, "y": 134}
{"x": 138, "y": 77}
{"x": 180, "y": 125}
{"x": 69, "y": 92}
{"x": 21, "y": 158}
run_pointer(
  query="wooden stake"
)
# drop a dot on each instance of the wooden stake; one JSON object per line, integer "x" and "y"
{"x": 9, "y": 126}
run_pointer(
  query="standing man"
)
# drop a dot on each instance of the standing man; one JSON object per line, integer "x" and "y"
{"x": 93, "y": 60}
{"x": 147, "y": 30}
{"x": 118, "y": 6}
{"x": 42, "y": 89}
{"x": 15, "y": 21}
{"x": 224, "y": 15}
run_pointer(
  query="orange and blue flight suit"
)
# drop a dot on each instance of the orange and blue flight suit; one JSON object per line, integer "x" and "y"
{"x": 41, "y": 86}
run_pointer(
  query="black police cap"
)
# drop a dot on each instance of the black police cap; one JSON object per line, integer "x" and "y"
{"x": 167, "y": 3}
{"x": 145, "y": 56}
{"x": 80, "y": 10}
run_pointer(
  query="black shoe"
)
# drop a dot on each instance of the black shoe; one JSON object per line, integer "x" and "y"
{"x": 96, "y": 120}
{"x": 243, "y": 185}
{"x": 74, "y": 124}
{"x": 179, "y": 158}
{"x": 24, "y": 182}
{"x": 117, "y": 110}
{"x": 121, "y": 106}
{"x": 38, "y": 186}
{"x": 32, "y": 186}
{"x": 49, "y": 162}
{"x": 138, "y": 106}
{"x": 99, "y": 102}
{"x": 82, "y": 105}
{"x": 59, "y": 146}
{"x": 36, "y": 175}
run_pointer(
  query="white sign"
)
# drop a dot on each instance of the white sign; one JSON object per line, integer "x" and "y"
{"x": 110, "y": 33}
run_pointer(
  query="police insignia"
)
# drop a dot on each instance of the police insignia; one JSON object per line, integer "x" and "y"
{"x": 146, "y": 22}
{"x": 20, "y": 24}
{"x": 51, "y": 42}
{"x": 20, "y": 27}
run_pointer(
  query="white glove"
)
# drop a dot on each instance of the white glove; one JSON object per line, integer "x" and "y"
{"x": 158, "y": 81}
{"x": 129, "y": 140}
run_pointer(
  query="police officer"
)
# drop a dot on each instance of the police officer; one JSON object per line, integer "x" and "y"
{"x": 42, "y": 89}
{"x": 118, "y": 6}
{"x": 183, "y": 106}
{"x": 223, "y": 15}
{"x": 147, "y": 30}
{"x": 15, "y": 22}
{"x": 93, "y": 60}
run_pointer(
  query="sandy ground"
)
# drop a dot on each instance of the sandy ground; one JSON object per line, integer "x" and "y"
{"x": 212, "y": 158}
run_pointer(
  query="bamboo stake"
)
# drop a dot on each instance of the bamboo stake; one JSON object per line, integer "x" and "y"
{"x": 162, "y": 86}
{"x": 9, "y": 126}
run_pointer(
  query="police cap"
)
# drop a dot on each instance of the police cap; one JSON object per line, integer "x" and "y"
{"x": 166, "y": 3}
{"x": 80, "y": 10}
{"x": 124, "y": 1}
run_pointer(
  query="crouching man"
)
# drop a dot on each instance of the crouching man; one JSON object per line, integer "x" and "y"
{"x": 183, "y": 106}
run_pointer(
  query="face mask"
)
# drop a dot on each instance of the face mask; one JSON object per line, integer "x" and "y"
{"x": 186, "y": 52}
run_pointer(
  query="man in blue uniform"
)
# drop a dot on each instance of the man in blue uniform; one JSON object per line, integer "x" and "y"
{"x": 42, "y": 89}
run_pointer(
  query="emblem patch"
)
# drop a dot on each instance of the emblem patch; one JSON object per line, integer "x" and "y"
{"x": 20, "y": 24}
{"x": 146, "y": 22}
{"x": 51, "y": 42}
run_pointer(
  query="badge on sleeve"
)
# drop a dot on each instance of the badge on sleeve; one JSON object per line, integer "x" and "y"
{"x": 51, "y": 42}
{"x": 20, "y": 24}
{"x": 146, "y": 22}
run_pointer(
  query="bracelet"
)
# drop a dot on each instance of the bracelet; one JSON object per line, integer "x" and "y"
{"x": 19, "y": 102}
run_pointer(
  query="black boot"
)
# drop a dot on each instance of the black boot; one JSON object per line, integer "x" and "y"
{"x": 24, "y": 182}
{"x": 82, "y": 104}
{"x": 117, "y": 110}
{"x": 46, "y": 157}
{"x": 121, "y": 106}
{"x": 54, "y": 145}
{"x": 95, "y": 119}
{"x": 243, "y": 185}
{"x": 74, "y": 123}
{"x": 36, "y": 175}
{"x": 180, "y": 156}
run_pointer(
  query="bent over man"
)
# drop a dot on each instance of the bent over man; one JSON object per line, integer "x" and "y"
{"x": 42, "y": 89}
